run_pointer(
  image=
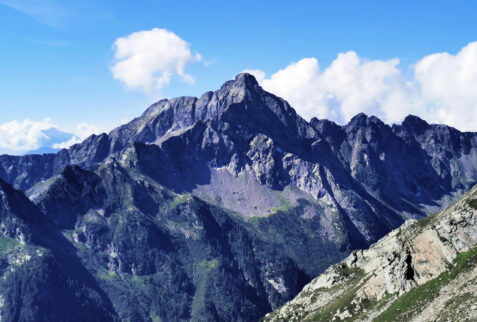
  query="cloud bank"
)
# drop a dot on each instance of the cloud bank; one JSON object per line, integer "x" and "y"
{"x": 19, "y": 137}
{"x": 147, "y": 60}
{"x": 442, "y": 88}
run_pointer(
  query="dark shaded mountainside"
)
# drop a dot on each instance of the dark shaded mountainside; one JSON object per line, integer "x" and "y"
{"x": 217, "y": 208}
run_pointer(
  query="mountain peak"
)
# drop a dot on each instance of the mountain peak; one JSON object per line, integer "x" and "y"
{"x": 17, "y": 213}
{"x": 246, "y": 79}
{"x": 358, "y": 118}
{"x": 363, "y": 120}
{"x": 237, "y": 89}
{"x": 415, "y": 123}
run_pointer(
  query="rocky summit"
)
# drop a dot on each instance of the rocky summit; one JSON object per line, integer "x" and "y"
{"x": 423, "y": 271}
{"x": 218, "y": 208}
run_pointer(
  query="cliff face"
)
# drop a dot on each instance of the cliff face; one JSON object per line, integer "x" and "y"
{"x": 423, "y": 271}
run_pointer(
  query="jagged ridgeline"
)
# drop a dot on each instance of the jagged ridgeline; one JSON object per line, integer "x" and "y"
{"x": 214, "y": 208}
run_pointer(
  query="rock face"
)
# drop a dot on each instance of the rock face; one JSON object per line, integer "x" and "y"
{"x": 41, "y": 278}
{"x": 223, "y": 207}
{"x": 423, "y": 271}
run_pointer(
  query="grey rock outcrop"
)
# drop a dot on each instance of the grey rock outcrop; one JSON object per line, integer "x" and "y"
{"x": 366, "y": 284}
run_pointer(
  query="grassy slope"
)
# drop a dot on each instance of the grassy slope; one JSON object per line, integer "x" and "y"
{"x": 406, "y": 306}
{"x": 413, "y": 301}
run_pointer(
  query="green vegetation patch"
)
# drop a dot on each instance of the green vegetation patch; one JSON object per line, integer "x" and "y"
{"x": 205, "y": 269}
{"x": 285, "y": 206}
{"x": 344, "y": 301}
{"x": 473, "y": 203}
{"x": 178, "y": 200}
{"x": 413, "y": 301}
{"x": 108, "y": 275}
{"x": 426, "y": 222}
{"x": 154, "y": 317}
{"x": 209, "y": 264}
{"x": 453, "y": 307}
{"x": 7, "y": 244}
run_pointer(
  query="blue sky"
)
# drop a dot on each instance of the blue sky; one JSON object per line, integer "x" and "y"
{"x": 56, "y": 56}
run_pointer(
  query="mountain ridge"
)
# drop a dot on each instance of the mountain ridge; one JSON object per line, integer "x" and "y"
{"x": 41, "y": 275}
{"x": 223, "y": 207}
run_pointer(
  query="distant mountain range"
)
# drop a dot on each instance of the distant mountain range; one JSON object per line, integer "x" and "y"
{"x": 50, "y": 140}
{"x": 214, "y": 208}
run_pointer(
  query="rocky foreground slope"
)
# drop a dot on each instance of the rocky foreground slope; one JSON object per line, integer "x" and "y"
{"x": 218, "y": 208}
{"x": 423, "y": 271}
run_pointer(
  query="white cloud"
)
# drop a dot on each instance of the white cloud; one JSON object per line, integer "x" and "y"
{"x": 83, "y": 130}
{"x": 211, "y": 62}
{"x": 442, "y": 88}
{"x": 348, "y": 86}
{"x": 300, "y": 83}
{"x": 66, "y": 144}
{"x": 48, "y": 12}
{"x": 18, "y": 137}
{"x": 147, "y": 60}
{"x": 449, "y": 84}
{"x": 23, "y": 136}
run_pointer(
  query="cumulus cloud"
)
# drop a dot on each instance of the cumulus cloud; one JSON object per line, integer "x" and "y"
{"x": 66, "y": 144}
{"x": 449, "y": 84}
{"x": 18, "y": 137}
{"x": 23, "y": 136}
{"x": 148, "y": 59}
{"x": 83, "y": 130}
{"x": 442, "y": 88}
